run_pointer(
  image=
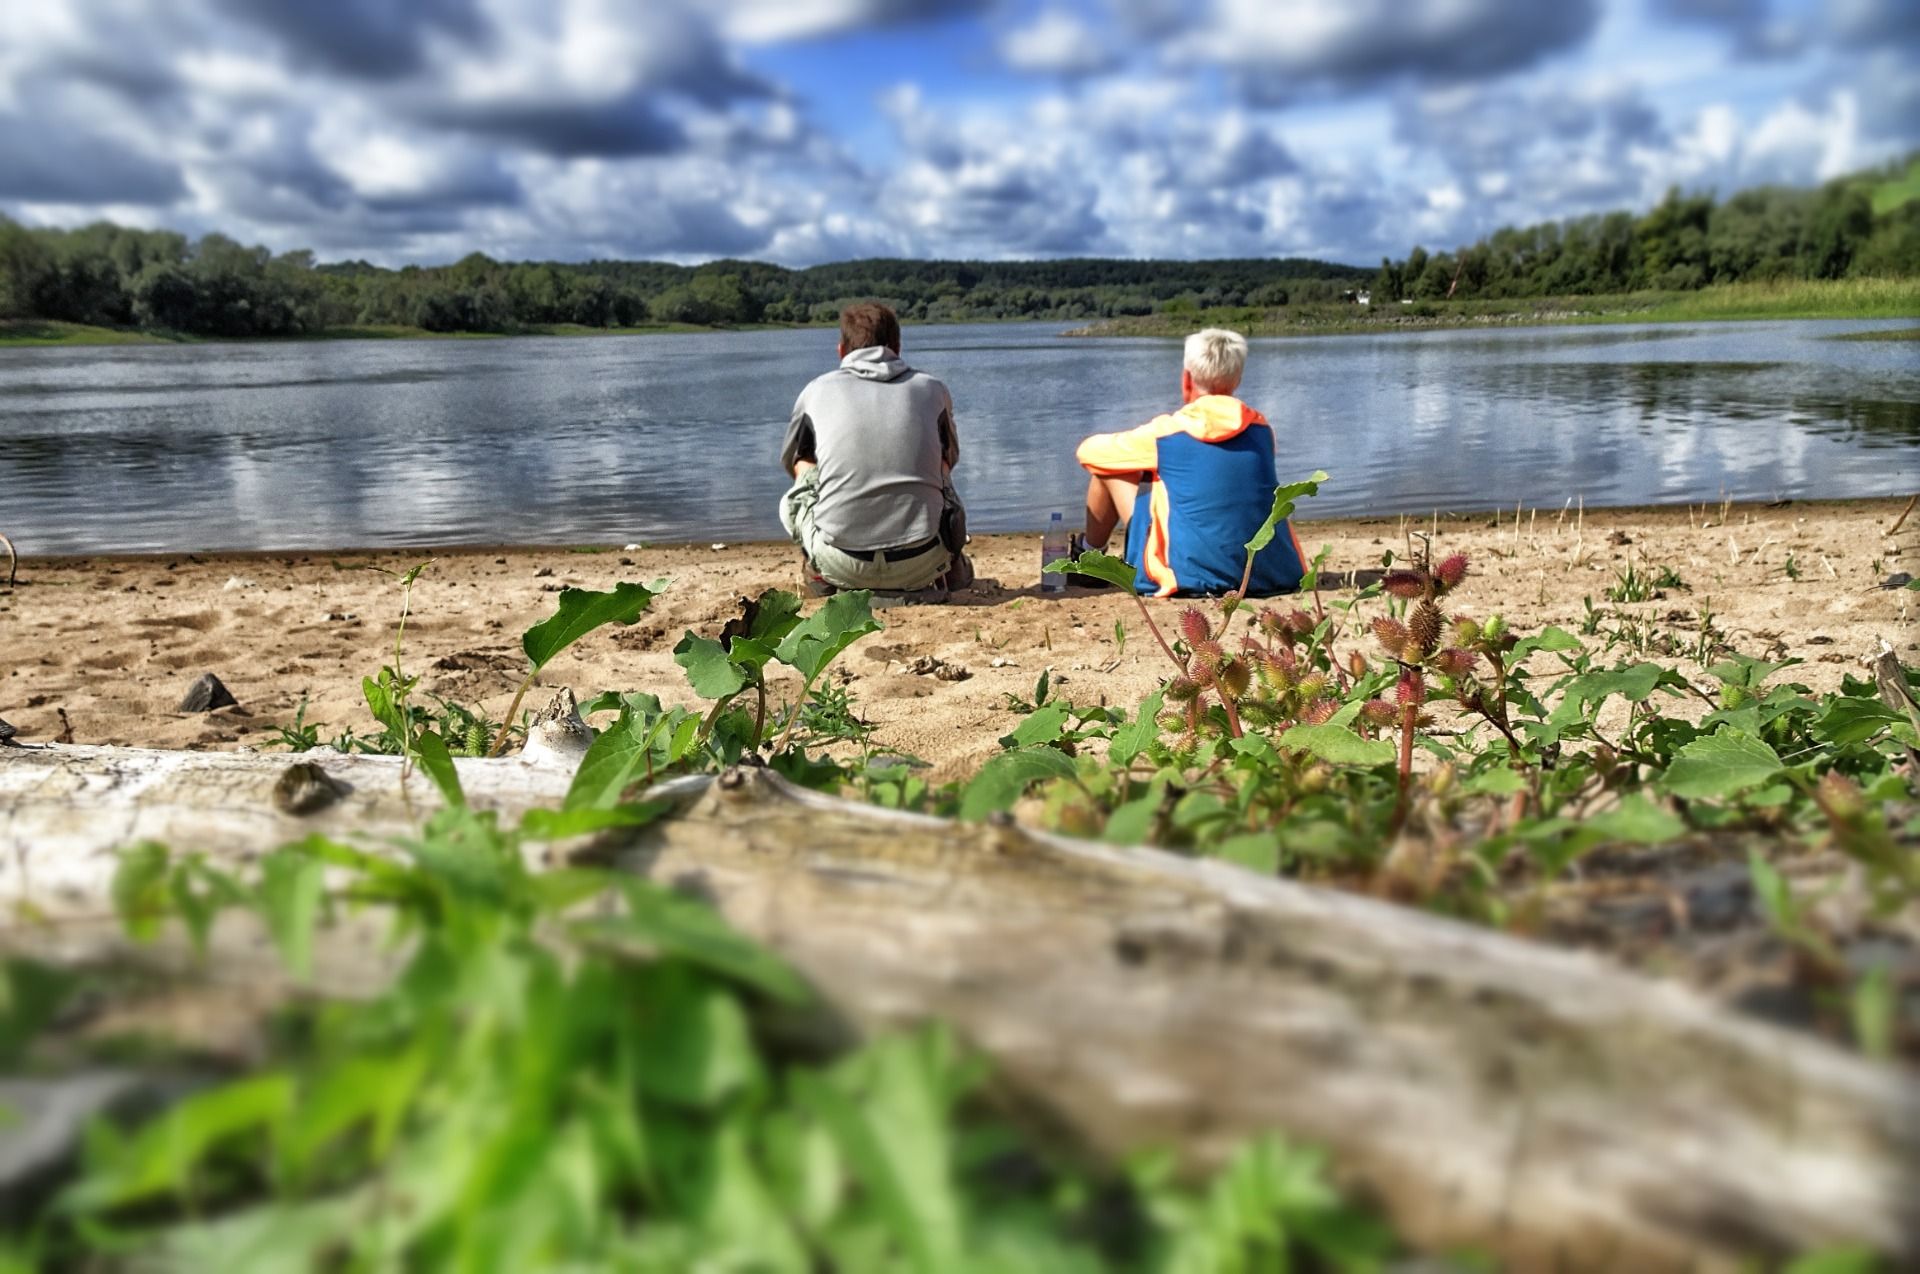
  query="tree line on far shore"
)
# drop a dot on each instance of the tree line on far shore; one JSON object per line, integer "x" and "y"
{"x": 1867, "y": 224}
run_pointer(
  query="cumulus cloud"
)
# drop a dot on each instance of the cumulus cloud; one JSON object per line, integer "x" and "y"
{"x": 767, "y": 20}
{"x": 1752, "y": 26}
{"x": 1282, "y": 46}
{"x": 681, "y": 128}
{"x": 371, "y": 39}
{"x": 43, "y": 162}
{"x": 1058, "y": 42}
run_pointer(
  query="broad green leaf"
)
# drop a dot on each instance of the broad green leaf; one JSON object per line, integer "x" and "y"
{"x": 1848, "y": 721}
{"x": 750, "y": 652}
{"x": 379, "y": 697}
{"x": 778, "y": 612}
{"x": 162, "y": 1156}
{"x": 1097, "y": 565}
{"x": 1284, "y": 498}
{"x": 1499, "y": 781}
{"x": 580, "y": 612}
{"x": 1338, "y": 745}
{"x": 438, "y": 763}
{"x": 711, "y": 673}
{"x": 32, "y": 996}
{"x": 1746, "y": 671}
{"x": 1130, "y": 823}
{"x": 1874, "y": 1007}
{"x": 1634, "y": 683}
{"x": 818, "y": 639}
{"x": 1044, "y": 725}
{"x": 670, "y": 925}
{"x": 560, "y": 824}
{"x": 640, "y": 743}
{"x": 291, "y": 889}
{"x": 1256, "y": 851}
{"x": 698, "y": 1046}
{"x": 1636, "y": 821}
{"x": 1549, "y": 638}
{"x": 139, "y": 889}
{"x": 1720, "y": 765}
{"x": 889, "y": 1110}
{"x": 1004, "y": 778}
{"x": 1131, "y": 739}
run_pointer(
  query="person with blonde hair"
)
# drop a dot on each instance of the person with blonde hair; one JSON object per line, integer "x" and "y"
{"x": 1194, "y": 485}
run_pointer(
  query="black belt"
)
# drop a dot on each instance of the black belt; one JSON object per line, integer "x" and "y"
{"x": 892, "y": 555}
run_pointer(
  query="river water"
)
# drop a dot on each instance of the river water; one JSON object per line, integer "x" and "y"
{"x": 613, "y": 439}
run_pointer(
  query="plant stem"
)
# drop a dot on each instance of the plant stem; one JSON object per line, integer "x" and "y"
{"x": 1155, "y": 630}
{"x": 506, "y": 726}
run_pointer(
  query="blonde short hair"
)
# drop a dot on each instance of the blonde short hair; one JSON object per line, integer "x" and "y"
{"x": 1216, "y": 358}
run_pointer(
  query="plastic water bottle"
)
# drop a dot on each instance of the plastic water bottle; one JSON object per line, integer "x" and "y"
{"x": 1053, "y": 547}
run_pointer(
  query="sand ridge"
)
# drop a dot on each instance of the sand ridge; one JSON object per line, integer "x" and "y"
{"x": 101, "y": 649}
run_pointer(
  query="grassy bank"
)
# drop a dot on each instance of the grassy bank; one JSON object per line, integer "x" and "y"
{"x": 41, "y": 332}
{"x": 1787, "y": 299}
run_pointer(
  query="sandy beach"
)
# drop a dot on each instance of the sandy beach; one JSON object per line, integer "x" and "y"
{"x": 101, "y": 649}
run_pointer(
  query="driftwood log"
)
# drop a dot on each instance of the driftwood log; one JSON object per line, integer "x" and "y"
{"x": 1488, "y": 1092}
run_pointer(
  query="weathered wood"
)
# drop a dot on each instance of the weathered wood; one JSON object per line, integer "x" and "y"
{"x": 1489, "y": 1092}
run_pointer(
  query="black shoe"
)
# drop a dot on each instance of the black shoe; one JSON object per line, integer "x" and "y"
{"x": 1076, "y": 546}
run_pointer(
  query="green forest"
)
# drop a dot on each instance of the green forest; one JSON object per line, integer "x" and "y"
{"x": 159, "y": 281}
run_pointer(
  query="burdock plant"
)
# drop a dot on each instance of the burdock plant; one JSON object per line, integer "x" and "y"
{"x": 1415, "y": 645}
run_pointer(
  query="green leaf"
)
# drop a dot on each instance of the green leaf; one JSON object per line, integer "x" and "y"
{"x": 1549, "y": 638}
{"x": 1097, "y": 565}
{"x": 1338, "y": 745}
{"x": 1006, "y": 777}
{"x": 438, "y": 763}
{"x": 1256, "y": 851}
{"x": 640, "y": 743}
{"x": 1634, "y": 683}
{"x": 817, "y": 640}
{"x": 889, "y": 1110}
{"x": 1719, "y": 765}
{"x": 1500, "y": 781}
{"x": 579, "y": 613}
{"x": 291, "y": 889}
{"x": 1284, "y": 498}
{"x": 695, "y": 1037}
{"x": 1132, "y": 820}
{"x": 710, "y": 670}
{"x": 1635, "y": 821}
{"x": 560, "y": 824}
{"x": 1044, "y": 725}
{"x": 162, "y": 1156}
{"x": 666, "y": 924}
{"x": 1874, "y": 1007}
{"x": 1131, "y": 739}
{"x": 139, "y": 889}
{"x": 1849, "y": 721}
{"x": 380, "y": 702}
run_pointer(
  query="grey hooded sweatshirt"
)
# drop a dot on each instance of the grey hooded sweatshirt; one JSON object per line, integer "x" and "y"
{"x": 883, "y": 437}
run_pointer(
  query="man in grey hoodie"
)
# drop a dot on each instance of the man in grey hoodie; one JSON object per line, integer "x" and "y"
{"x": 871, "y": 449}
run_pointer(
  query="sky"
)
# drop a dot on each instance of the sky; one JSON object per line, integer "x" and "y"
{"x": 801, "y": 131}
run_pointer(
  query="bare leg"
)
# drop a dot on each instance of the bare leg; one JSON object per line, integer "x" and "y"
{"x": 1109, "y": 503}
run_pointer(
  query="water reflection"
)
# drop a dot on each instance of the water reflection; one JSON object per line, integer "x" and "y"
{"x": 385, "y": 443}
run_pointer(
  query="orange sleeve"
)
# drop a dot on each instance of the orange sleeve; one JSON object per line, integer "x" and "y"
{"x": 1135, "y": 450}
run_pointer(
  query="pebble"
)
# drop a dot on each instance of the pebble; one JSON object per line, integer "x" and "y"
{"x": 632, "y": 548}
{"x": 237, "y": 581}
{"x": 206, "y": 694}
{"x": 719, "y": 548}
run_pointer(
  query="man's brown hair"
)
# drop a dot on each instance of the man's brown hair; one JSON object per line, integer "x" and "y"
{"x": 869, "y": 323}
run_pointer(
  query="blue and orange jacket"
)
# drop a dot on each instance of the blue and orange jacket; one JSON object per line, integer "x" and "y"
{"x": 1211, "y": 473}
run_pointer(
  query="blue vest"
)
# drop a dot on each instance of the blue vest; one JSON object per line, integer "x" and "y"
{"x": 1218, "y": 494}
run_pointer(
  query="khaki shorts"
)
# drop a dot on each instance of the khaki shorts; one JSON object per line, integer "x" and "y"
{"x": 904, "y": 574}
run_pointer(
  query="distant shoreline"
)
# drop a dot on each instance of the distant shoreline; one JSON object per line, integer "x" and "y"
{"x": 1794, "y": 299}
